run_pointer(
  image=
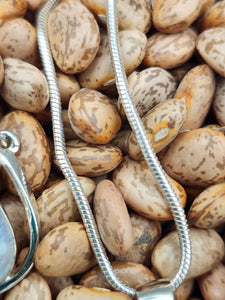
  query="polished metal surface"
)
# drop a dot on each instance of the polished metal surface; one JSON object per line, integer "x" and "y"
{"x": 67, "y": 170}
{"x": 9, "y": 145}
{"x": 156, "y": 290}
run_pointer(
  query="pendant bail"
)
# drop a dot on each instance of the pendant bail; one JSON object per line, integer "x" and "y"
{"x": 160, "y": 289}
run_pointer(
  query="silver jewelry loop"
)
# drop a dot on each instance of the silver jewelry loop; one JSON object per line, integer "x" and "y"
{"x": 14, "y": 170}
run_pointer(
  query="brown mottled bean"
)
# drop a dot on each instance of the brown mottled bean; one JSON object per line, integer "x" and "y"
{"x": 149, "y": 88}
{"x": 175, "y": 15}
{"x": 64, "y": 251}
{"x": 210, "y": 44}
{"x": 19, "y": 40}
{"x": 212, "y": 284}
{"x": 169, "y": 50}
{"x": 196, "y": 158}
{"x": 92, "y": 160}
{"x": 146, "y": 234}
{"x": 77, "y": 292}
{"x": 126, "y": 272}
{"x": 219, "y": 101}
{"x": 214, "y": 16}
{"x": 208, "y": 208}
{"x": 34, "y": 286}
{"x": 24, "y": 86}
{"x": 57, "y": 206}
{"x": 197, "y": 88}
{"x": 162, "y": 125}
{"x": 136, "y": 183}
{"x": 207, "y": 252}
{"x": 34, "y": 153}
{"x": 68, "y": 85}
{"x": 100, "y": 72}
{"x": 93, "y": 116}
{"x": 10, "y": 9}
{"x": 112, "y": 218}
{"x": 131, "y": 14}
{"x": 68, "y": 130}
{"x": 73, "y": 35}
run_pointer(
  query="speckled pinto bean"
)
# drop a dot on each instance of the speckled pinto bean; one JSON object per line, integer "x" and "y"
{"x": 219, "y": 101}
{"x": 74, "y": 36}
{"x": 93, "y": 116}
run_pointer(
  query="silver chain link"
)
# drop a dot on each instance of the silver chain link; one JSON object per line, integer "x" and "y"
{"x": 67, "y": 170}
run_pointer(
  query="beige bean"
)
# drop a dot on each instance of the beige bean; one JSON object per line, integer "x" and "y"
{"x": 207, "y": 252}
{"x": 57, "y": 205}
{"x": 210, "y": 44}
{"x": 175, "y": 15}
{"x": 64, "y": 251}
{"x": 68, "y": 130}
{"x": 19, "y": 40}
{"x": 184, "y": 161}
{"x": 219, "y": 101}
{"x": 34, "y": 153}
{"x": 100, "y": 72}
{"x": 73, "y": 36}
{"x": 93, "y": 116}
{"x": 131, "y": 15}
{"x": 197, "y": 88}
{"x": 77, "y": 292}
{"x": 112, "y": 218}
{"x": 126, "y": 272}
{"x": 16, "y": 214}
{"x": 1, "y": 70}
{"x": 149, "y": 88}
{"x": 212, "y": 284}
{"x": 24, "y": 86}
{"x": 10, "y": 9}
{"x": 183, "y": 292}
{"x": 146, "y": 234}
{"x": 214, "y": 16}
{"x": 68, "y": 85}
{"x": 169, "y": 50}
{"x": 208, "y": 208}
{"x": 34, "y": 287}
{"x": 141, "y": 192}
{"x": 162, "y": 125}
{"x": 92, "y": 160}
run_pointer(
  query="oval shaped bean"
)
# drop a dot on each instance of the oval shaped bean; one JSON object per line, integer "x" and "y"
{"x": 73, "y": 35}
{"x": 34, "y": 153}
{"x": 149, "y": 88}
{"x": 33, "y": 286}
{"x": 208, "y": 208}
{"x": 146, "y": 234}
{"x": 100, "y": 72}
{"x": 57, "y": 205}
{"x": 197, "y": 88}
{"x": 92, "y": 160}
{"x": 207, "y": 252}
{"x": 175, "y": 15}
{"x": 77, "y": 292}
{"x": 185, "y": 163}
{"x": 24, "y": 86}
{"x": 126, "y": 272}
{"x": 10, "y": 9}
{"x": 210, "y": 44}
{"x": 219, "y": 101}
{"x": 131, "y": 15}
{"x": 162, "y": 125}
{"x": 141, "y": 192}
{"x": 169, "y": 50}
{"x": 64, "y": 251}
{"x": 212, "y": 285}
{"x": 19, "y": 40}
{"x": 112, "y": 218}
{"x": 93, "y": 116}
